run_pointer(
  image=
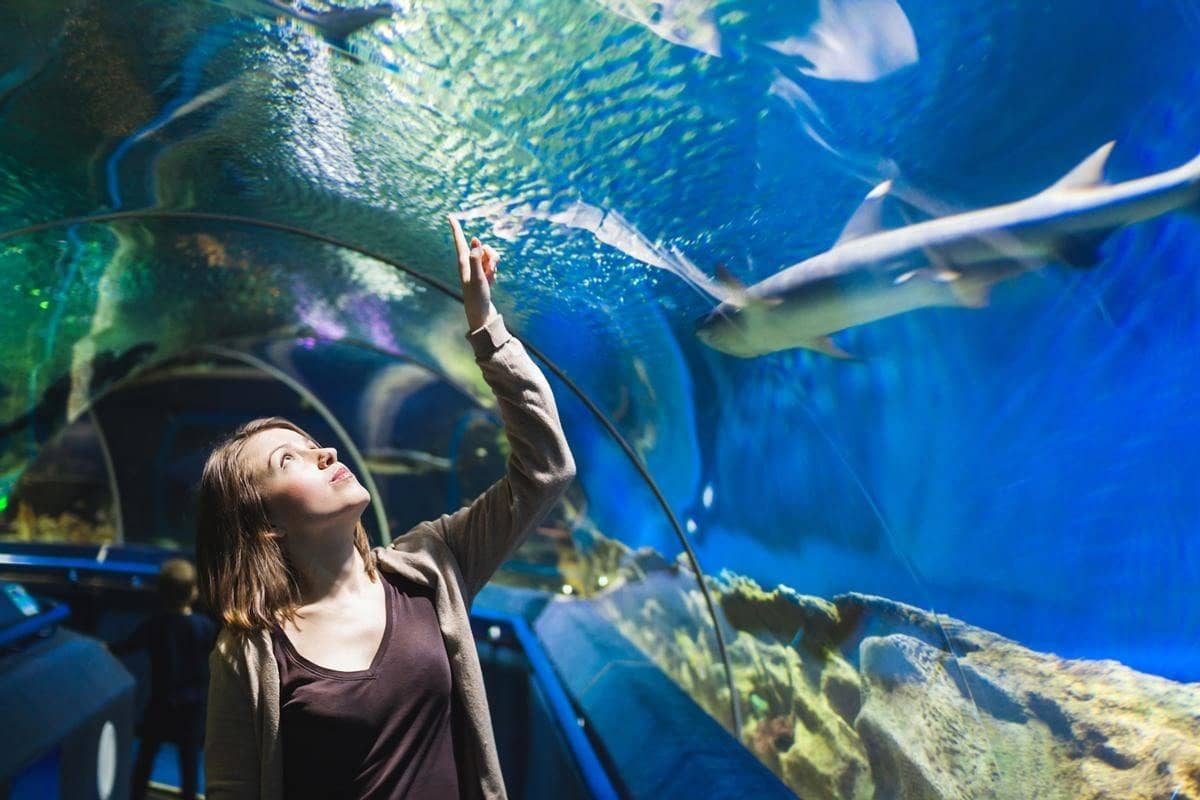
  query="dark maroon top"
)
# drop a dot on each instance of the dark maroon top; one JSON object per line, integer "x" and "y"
{"x": 382, "y": 732}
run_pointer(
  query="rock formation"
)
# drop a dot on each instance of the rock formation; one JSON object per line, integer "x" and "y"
{"x": 864, "y": 697}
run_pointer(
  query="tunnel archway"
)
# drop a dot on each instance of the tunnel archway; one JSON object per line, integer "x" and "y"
{"x": 954, "y": 532}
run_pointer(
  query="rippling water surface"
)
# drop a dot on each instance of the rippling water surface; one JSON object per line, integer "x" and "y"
{"x": 1028, "y": 467}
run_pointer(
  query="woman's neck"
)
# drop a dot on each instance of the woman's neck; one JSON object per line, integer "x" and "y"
{"x": 332, "y": 573}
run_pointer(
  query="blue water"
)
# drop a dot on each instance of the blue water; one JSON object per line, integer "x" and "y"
{"x": 1029, "y": 467}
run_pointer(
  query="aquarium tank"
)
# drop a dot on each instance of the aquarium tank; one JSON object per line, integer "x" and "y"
{"x": 874, "y": 326}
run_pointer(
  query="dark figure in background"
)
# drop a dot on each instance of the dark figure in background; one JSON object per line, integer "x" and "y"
{"x": 178, "y": 642}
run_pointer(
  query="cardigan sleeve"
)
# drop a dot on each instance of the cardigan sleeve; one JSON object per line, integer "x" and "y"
{"x": 231, "y": 757}
{"x": 540, "y": 467}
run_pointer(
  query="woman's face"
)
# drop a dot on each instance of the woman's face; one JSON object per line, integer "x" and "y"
{"x": 304, "y": 486}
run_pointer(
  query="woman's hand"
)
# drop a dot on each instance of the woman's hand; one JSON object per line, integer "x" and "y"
{"x": 477, "y": 270}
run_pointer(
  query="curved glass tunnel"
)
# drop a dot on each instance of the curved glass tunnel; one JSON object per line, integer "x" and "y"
{"x": 961, "y": 563}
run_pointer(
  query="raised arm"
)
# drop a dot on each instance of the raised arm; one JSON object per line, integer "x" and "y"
{"x": 540, "y": 467}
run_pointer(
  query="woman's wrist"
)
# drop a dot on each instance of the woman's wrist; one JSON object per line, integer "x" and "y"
{"x": 477, "y": 320}
{"x": 489, "y": 337}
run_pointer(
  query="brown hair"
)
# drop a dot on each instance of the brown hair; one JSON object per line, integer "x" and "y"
{"x": 177, "y": 583}
{"x": 246, "y": 579}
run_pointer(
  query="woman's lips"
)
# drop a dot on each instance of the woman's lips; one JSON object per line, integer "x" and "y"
{"x": 341, "y": 473}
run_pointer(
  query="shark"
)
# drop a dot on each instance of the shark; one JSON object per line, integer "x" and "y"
{"x": 872, "y": 272}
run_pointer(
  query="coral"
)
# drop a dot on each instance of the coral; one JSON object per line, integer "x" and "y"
{"x": 863, "y": 697}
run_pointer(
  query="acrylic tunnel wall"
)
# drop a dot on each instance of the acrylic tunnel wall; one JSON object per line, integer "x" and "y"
{"x": 878, "y": 363}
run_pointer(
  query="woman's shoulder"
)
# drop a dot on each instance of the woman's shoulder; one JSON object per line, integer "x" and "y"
{"x": 418, "y": 554}
{"x": 423, "y": 540}
{"x": 241, "y": 650}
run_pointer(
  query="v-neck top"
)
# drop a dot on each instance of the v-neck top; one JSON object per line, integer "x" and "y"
{"x": 379, "y": 733}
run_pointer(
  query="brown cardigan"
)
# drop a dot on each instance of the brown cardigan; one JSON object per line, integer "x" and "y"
{"x": 455, "y": 555}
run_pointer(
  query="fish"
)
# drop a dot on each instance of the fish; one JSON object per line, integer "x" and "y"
{"x": 834, "y": 40}
{"x": 690, "y": 23}
{"x": 334, "y": 25}
{"x": 872, "y": 273}
{"x": 509, "y": 218}
{"x": 337, "y": 24}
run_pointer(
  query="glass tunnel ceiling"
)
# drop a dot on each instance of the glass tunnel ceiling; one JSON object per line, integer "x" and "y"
{"x": 577, "y": 138}
{"x": 175, "y": 175}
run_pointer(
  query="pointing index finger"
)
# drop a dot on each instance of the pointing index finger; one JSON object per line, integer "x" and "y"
{"x": 460, "y": 245}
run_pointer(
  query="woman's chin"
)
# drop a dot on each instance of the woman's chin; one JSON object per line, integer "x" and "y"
{"x": 362, "y": 500}
{"x": 351, "y": 507}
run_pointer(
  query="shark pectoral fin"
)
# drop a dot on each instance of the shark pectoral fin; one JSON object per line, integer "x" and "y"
{"x": 868, "y": 218}
{"x": 972, "y": 294}
{"x": 1080, "y": 251}
{"x": 1089, "y": 172}
{"x": 826, "y": 345}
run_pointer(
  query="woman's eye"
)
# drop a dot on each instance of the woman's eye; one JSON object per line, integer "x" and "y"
{"x": 283, "y": 460}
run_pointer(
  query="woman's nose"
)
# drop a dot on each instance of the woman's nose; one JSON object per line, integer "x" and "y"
{"x": 328, "y": 455}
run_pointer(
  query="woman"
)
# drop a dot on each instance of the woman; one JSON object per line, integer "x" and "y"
{"x": 347, "y": 672}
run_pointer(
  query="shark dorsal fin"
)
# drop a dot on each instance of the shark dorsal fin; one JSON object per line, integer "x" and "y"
{"x": 1089, "y": 172}
{"x": 867, "y": 219}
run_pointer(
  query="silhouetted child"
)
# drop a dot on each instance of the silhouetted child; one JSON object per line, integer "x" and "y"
{"x": 178, "y": 642}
